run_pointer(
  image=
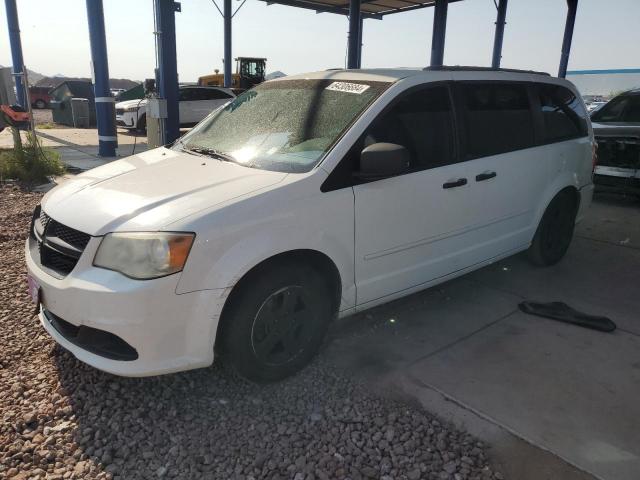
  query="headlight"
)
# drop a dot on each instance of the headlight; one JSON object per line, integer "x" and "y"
{"x": 144, "y": 255}
{"x": 132, "y": 109}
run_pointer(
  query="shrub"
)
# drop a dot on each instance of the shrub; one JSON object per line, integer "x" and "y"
{"x": 30, "y": 162}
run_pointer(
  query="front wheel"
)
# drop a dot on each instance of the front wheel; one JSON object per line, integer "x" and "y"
{"x": 276, "y": 322}
{"x": 555, "y": 231}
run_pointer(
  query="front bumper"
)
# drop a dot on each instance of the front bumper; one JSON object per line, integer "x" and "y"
{"x": 169, "y": 332}
{"x": 126, "y": 119}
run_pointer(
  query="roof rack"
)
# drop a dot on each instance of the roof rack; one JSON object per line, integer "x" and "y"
{"x": 465, "y": 68}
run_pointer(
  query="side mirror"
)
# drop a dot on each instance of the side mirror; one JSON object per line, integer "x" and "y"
{"x": 383, "y": 160}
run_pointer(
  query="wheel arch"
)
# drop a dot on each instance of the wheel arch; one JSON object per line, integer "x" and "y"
{"x": 319, "y": 261}
{"x": 552, "y": 192}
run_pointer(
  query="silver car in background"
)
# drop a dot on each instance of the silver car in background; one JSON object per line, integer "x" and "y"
{"x": 616, "y": 127}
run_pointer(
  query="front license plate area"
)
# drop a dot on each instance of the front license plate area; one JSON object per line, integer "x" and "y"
{"x": 34, "y": 289}
{"x": 35, "y": 293}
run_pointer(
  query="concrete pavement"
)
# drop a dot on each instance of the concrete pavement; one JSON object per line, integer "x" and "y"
{"x": 556, "y": 401}
{"x": 78, "y": 147}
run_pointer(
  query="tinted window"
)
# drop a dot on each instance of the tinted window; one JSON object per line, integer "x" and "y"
{"x": 614, "y": 110}
{"x": 632, "y": 112}
{"x": 496, "y": 117}
{"x": 188, "y": 94}
{"x": 213, "y": 94}
{"x": 563, "y": 115}
{"x": 421, "y": 122}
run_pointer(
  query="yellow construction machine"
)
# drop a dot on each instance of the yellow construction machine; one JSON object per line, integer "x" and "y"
{"x": 249, "y": 72}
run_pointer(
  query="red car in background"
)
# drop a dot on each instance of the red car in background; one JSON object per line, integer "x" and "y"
{"x": 40, "y": 97}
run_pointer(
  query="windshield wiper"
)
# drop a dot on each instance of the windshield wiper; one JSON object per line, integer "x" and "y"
{"x": 210, "y": 152}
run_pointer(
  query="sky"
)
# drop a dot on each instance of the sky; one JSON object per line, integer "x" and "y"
{"x": 55, "y": 36}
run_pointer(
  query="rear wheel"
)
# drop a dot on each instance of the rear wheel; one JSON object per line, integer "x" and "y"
{"x": 40, "y": 104}
{"x": 555, "y": 231}
{"x": 276, "y": 321}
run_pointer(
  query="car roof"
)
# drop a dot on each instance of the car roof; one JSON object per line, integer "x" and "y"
{"x": 206, "y": 87}
{"x": 395, "y": 74}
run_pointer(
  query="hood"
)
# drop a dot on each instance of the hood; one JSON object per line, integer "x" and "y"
{"x": 132, "y": 103}
{"x": 616, "y": 129}
{"x": 150, "y": 190}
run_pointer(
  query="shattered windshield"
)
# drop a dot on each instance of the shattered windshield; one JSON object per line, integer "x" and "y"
{"x": 287, "y": 125}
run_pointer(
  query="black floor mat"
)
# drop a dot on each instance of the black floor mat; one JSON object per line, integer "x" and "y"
{"x": 564, "y": 313}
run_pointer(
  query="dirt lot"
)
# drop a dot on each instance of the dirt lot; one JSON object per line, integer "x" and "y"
{"x": 63, "y": 420}
{"x": 42, "y": 116}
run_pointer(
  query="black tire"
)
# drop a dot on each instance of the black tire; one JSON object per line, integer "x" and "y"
{"x": 276, "y": 322}
{"x": 40, "y": 104}
{"x": 141, "y": 125}
{"x": 555, "y": 231}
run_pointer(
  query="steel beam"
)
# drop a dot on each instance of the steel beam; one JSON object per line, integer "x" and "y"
{"x": 439, "y": 32}
{"x": 499, "y": 35}
{"x": 16, "y": 49}
{"x": 167, "y": 72}
{"x": 572, "y": 8}
{"x": 354, "y": 34}
{"x": 227, "y": 13}
{"x": 360, "y": 30}
{"x": 105, "y": 106}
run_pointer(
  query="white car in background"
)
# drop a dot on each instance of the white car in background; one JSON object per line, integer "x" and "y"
{"x": 195, "y": 103}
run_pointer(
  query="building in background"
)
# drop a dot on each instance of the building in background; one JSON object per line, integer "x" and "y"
{"x": 605, "y": 83}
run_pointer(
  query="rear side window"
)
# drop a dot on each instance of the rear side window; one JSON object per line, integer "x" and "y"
{"x": 188, "y": 94}
{"x": 496, "y": 117}
{"x": 563, "y": 115}
{"x": 213, "y": 94}
{"x": 632, "y": 112}
{"x": 623, "y": 108}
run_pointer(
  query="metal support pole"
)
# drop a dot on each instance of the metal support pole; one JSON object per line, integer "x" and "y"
{"x": 360, "y": 30}
{"x": 499, "y": 35}
{"x": 167, "y": 65}
{"x": 439, "y": 32}
{"x": 572, "y": 8}
{"x": 16, "y": 49}
{"x": 105, "y": 106}
{"x": 354, "y": 34}
{"x": 227, "y": 14}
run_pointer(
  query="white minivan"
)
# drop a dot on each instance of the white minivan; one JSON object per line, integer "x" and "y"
{"x": 305, "y": 199}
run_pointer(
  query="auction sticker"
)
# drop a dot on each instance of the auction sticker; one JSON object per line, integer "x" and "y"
{"x": 348, "y": 87}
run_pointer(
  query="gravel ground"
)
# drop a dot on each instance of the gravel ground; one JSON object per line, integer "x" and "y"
{"x": 63, "y": 419}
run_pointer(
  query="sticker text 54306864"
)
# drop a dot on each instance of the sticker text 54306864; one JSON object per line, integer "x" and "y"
{"x": 348, "y": 87}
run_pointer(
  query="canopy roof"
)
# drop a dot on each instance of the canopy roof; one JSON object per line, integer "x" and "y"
{"x": 369, "y": 8}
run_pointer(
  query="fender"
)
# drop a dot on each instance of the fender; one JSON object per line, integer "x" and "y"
{"x": 269, "y": 228}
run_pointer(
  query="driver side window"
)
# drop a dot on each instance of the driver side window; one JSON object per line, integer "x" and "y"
{"x": 420, "y": 120}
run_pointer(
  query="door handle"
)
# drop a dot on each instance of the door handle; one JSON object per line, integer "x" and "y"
{"x": 455, "y": 183}
{"x": 485, "y": 176}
